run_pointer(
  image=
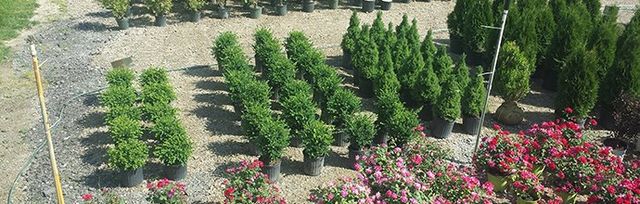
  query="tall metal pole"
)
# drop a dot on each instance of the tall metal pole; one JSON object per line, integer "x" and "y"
{"x": 47, "y": 126}
{"x": 505, "y": 12}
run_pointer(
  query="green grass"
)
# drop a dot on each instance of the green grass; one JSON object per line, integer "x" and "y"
{"x": 14, "y": 16}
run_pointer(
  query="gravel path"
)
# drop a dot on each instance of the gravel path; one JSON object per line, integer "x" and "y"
{"x": 78, "y": 52}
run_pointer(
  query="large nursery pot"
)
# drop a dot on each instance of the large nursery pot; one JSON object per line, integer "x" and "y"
{"x": 123, "y": 23}
{"x": 456, "y": 44}
{"x": 256, "y": 12}
{"x": 441, "y": 128}
{"x": 346, "y": 61}
{"x": 223, "y": 12}
{"x": 281, "y": 10}
{"x": 568, "y": 198}
{"x": 176, "y": 172}
{"x": 385, "y": 5}
{"x": 357, "y": 3}
{"x": 195, "y": 16}
{"x": 333, "y": 4}
{"x": 618, "y": 147}
{"x": 509, "y": 113}
{"x": 471, "y": 124}
{"x": 313, "y": 166}
{"x": 341, "y": 139}
{"x": 271, "y": 168}
{"x": 161, "y": 20}
{"x": 131, "y": 178}
{"x": 523, "y": 201}
{"x": 253, "y": 149}
{"x": 368, "y": 6}
{"x": 308, "y": 6}
{"x": 499, "y": 182}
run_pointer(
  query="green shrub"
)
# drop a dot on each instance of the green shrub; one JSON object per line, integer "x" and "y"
{"x": 119, "y": 8}
{"x": 312, "y": 60}
{"x": 545, "y": 28}
{"x": 409, "y": 73}
{"x": 365, "y": 59}
{"x": 123, "y": 128}
{"x": 252, "y": 118}
{"x": 390, "y": 35}
{"x": 174, "y": 150}
{"x": 474, "y": 95}
{"x": 131, "y": 112}
{"x": 455, "y": 24}
{"x": 273, "y": 138}
{"x": 116, "y": 96}
{"x": 316, "y": 138}
{"x": 401, "y": 52}
{"x": 155, "y": 111}
{"x": 255, "y": 92}
{"x": 195, "y": 5}
{"x": 298, "y": 110}
{"x": 402, "y": 30}
{"x": 266, "y": 46}
{"x": 294, "y": 87}
{"x": 427, "y": 86}
{"x": 477, "y": 14}
{"x": 578, "y": 83}
{"x": 442, "y": 64}
{"x": 387, "y": 102}
{"x": 512, "y": 77}
{"x": 447, "y": 106}
{"x": 377, "y": 33}
{"x": 237, "y": 80}
{"x": 157, "y": 93}
{"x": 342, "y": 105}
{"x": 360, "y": 130}
{"x": 461, "y": 72}
{"x": 278, "y": 71}
{"x": 128, "y": 155}
{"x": 228, "y": 52}
{"x": 159, "y": 7}
{"x": 167, "y": 127}
{"x": 522, "y": 30}
{"x": 401, "y": 126}
{"x": 327, "y": 82}
{"x": 120, "y": 77}
{"x": 603, "y": 40}
{"x": 297, "y": 45}
{"x": 387, "y": 78}
{"x": 350, "y": 38}
{"x": 413, "y": 37}
{"x": 428, "y": 49}
{"x": 575, "y": 20}
{"x": 154, "y": 76}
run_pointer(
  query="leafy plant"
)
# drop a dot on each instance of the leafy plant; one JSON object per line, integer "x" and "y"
{"x": 117, "y": 96}
{"x": 360, "y": 129}
{"x": 228, "y": 52}
{"x": 167, "y": 127}
{"x": 461, "y": 73}
{"x": 455, "y": 24}
{"x": 603, "y": 40}
{"x": 165, "y": 191}
{"x": 120, "y": 77}
{"x": 326, "y": 82}
{"x": 254, "y": 115}
{"x": 253, "y": 92}
{"x": 512, "y": 77}
{"x": 245, "y": 183}
{"x": 273, "y": 138}
{"x": 124, "y": 111}
{"x": 195, "y": 5}
{"x": 154, "y": 76}
{"x": 387, "y": 78}
{"x": 128, "y": 155}
{"x": 316, "y": 137}
{"x": 174, "y": 150}
{"x": 279, "y": 70}
{"x": 429, "y": 49}
{"x": 266, "y": 46}
{"x": 123, "y": 128}
{"x": 159, "y": 7}
{"x": 447, "y": 106}
{"x": 427, "y": 88}
{"x": 297, "y": 44}
{"x": 387, "y": 102}
{"x": 238, "y": 80}
{"x": 476, "y": 14}
{"x": 409, "y": 73}
{"x": 157, "y": 93}
{"x": 298, "y": 110}
{"x": 578, "y": 83}
{"x": 119, "y": 8}
{"x": 155, "y": 111}
{"x": 413, "y": 37}
{"x": 442, "y": 64}
{"x": 365, "y": 58}
{"x": 474, "y": 95}
{"x": 401, "y": 126}
{"x": 350, "y": 38}
{"x": 342, "y": 105}
{"x": 499, "y": 155}
{"x": 527, "y": 185}
{"x": 294, "y": 87}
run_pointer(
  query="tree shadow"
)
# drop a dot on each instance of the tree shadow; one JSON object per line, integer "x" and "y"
{"x": 211, "y": 85}
{"x": 336, "y": 160}
{"x": 539, "y": 97}
{"x": 100, "y": 14}
{"x": 202, "y": 71}
{"x": 291, "y": 167}
{"x": 140, "y": 21}
{"x": 458, "y": 128}
{"x": 230, "y": 148}
{"x": 102, "y": 178}
{"x": 154, "y": 171}
{"x": 97, "y": 149}
{"x": 91, "y": 100}
{"x": 220, "y": 120}
{"x": 335, "y": 61}
{"x": 92, "y": 120}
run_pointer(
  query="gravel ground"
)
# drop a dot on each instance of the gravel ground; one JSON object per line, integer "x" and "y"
{"x": 78, "y": 51}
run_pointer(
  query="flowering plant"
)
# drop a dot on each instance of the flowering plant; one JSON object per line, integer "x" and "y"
{"x": 246, "y": 184}
{"x": 346, "y": 190}
{"x": 107, "y": 197}
{"x": 165, "y": 191}
{"x": 541, "y": 140}
{"x": 500, "y": 154}
{"x": 527, "y": 185}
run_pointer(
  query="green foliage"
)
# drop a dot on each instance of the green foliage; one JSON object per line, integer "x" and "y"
{"x": 387, "y": 79}
{"x": 122, "y": 110}
{"x": 273, "y": 138}
{"x": 428, "y": 49}
{"x": 365, "y": 59}
{"x": 461, "y": 73}
{"x": 252, "y": 118}
{"x": 427, "y": 86}
{"x": 123, "y": 128}
{"x": 167, "y": 127}
{"x": 477, "y": 13}
{"x": 155, "y": 111}
{"x": 266, "y": 46}
{"x": 401, "y": 126}
{"x": 228, "y": 52}
{"x": 442, "y": 64}
{"x": 312, "y": 58}
{"x": 413, "y": 37}
{"x": 295, "y": 87}
{"x": 120, "y": 77}
{"x": 390, "y": 36}
{"x": 316, "y": 137}
{"x": 603, "y": 40}
{"x": 377, "y": 32}
{"x": 128, "y": 155}
{"x": 474, "y": 94}
{"x": 578, "y": 83}
{"x": 593, "y": 6}
{"x": 14, "y": 16}
{"x": 326, "y": 82}
{"x": 255, "y": 92}
{"x": 409, "y": 73}
{"x": 174, "y": 150}
{"x": 279, "y": 70}
{"x": 546, "y": 27}
{"x": 624, "y": 76}
{"x": 512, "y": 77}
{"x": 576, "y": 29}
{"x": 342, "y": 105}
{"x": 195, "y": 5}
{"x": 237, "y": 81}
{"x": 401, "y": 52}
{"x": 159, "y": 7}
{"x": 157, "y": 93}
{"x": 297, "y": 46}
{"x": 360, "y": 129}
{"x": 403, "y": 28}
{"x": 350, "y": 38}
{"x": 154, "y": 76}
{"x": 297, "y": 110}
{"x": 522, "y": 28}
{"x": 116, "y": 96}
{"x": 447, "y": 106}
{"x": 455, "y": 22}
{"x": 118, "y": 8}
{"x": 385, "y": 106}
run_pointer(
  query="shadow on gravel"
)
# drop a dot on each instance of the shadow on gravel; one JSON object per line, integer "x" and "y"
{"x": 336, "y": 160}
{"x": 221, "y": 121}
{"x": 96, "y": 151}
{"x": 101, "y": 178}
{"x": 91, "y": 100}
{"x": 211, "y": 85}
{"x": 291, "y": 167}
{"x": 539, "y": 97}
{"x": 92, "y": 120}
{"x": 100, "y": 14}
{"x": 335, "y": 61}
{"x": 91, "y": 26}
{"x": 221, "y": 168}
{"x": 202, "y": 71}
{"x": 229, "y": 148}
{"x": 458, "y": 128}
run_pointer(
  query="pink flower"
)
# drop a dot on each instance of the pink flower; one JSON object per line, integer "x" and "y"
{"x": 416, "y": 159}
{"x": 568, "y": 110}
{"x": 87, "y": 197}
{"x": 593, "y": 122}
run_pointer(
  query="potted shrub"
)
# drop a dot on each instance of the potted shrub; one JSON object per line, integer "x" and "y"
{"x": 401, "y": 127}
{"x": 333, "y": 4}
{"x": 295, "y": 87}
{"x": 123, "y": 128}
{"x": 117, "y": 96}
{"x": 349, "y": 40}
{"x": 626, "y": 128}
{"x": 128, "y": 158}
{"x": 325, "y": 84}
{"x": 455, "y": 23}
{"x": 512, "y": 83}
{"x": 385, "y": 5}
{"x": 265, "y": 46}
{"x": 278, "y": 71}
{"x": 157, "y": 93}
{"x": 409, "y": 74}
{"x": 426, "y": 90}
{"x": 442, "y": 64}
{"x": 446, "y": 109}
{"x": 316, "y": 137}
{"x": 195, "y": 6}
{"x": 356, "y": 3}
{"x": 165, "y": 191}
{"x": 245, "y": 183}
{"x": 160, "y": 8}
{"x": 308, "y": 6}
{"x": 120, "y": 77}
{"x": 476, "y": 15}
{"x": 499, "y": 157}
{"x": 360, "y": 130}
{"x": 578, "y": 85}
{"x": 298, "y": 110}
{"x": 387, "y": 102}
{"x": 281, "y": 7}
{"x": 340, "y": 106}
{"x": 527, "y": 187}
{"x": 473, "y": 103}
{"x": 174, "y": 152}
{"x": 273, "y": 137}
{"x": 120, "y": 10}
{"x": 154, "y": 76}
{"x": 387, "y": 78}
{"x": 223, "y": 11}
{"x": 256, "y": 11}
{"x": 368, "y": 5}
{"x": 365, "y": 62}
{"x": 254, "y": 115}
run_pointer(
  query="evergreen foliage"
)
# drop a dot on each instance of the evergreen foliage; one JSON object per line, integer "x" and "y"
{"x": 447, "y": 105}
{"x": 442, "y": 64}
{"x": 350, "y": 38}
{"x": 578, "y": 83}
{"x": 512, "y": 74}
{"x": 474, "y": 95}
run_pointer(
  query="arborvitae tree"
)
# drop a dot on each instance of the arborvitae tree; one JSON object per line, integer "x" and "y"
{"x": 350, "y": 38}
{"x": 409, "y": 73}
{"x": 365, "y": 60}
{"x": 377, "y": 32}
{"x": 478, "y": 13}
{"x": 578, "y": 83}
{"x": 593, "y": 6}
{"x": 545, "y": 27}
{"x": 401, "y": 52}
{"x": 428, "y": 49}
{"x": 521, "y": 26}
{"x": 427, "y": 87}
{"x": 391, "y": 36}
{"x": 462, "y": 73}
{"x": 474, "y": 95}
{"x": 603, "y": 40}
{"x": 512, "y": 77}
{"x": 403, "y": 28}
{"x": 442, "y": 64}
{"x": 455, "y": 23}
{"x": 447, "y": 105}
{"x": 387, "y": 78}
{"x": 413, "y": 36}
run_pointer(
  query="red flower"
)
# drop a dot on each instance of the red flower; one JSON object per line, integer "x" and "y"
{"x": 496, "y": 126}
{"x": 568, "y": 110}
{"x": 593, "y": 122}
{"x": 611, "y": 189}
{"x": 87, "y": 197}
{"x": 228, "y": 193}
{"x": 416, "y": 159}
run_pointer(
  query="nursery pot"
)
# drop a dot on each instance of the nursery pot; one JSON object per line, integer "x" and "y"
{"x": 256, "y": 12}
{"x": 441, "y": 128}
{"x": 123, "y": 23}
{"x": 357, "y": 3}
{"x": 295, "y": 141}
{"x": 471, "y": 124}
{"x": 456, "y": 44}
{"x": 352, "y": 155}
{"x": 425, "y": 112}
{"x": 385, "y": 5}
{"x": 281, "y": 10}
{"x": 365, "y": 86}
{"x": 509, "y": 113}
{"x": 161, "y": 20}
{"x": 523, "y": 201}
{"x": 568, "y": 198}
{"x": 618, "y": 147}
{"x": 176, "y": 172}
{"x": 368, "y": 6}
{"x": 195, "y": 16}
{"x": 405, "y": 1}
{"x": 308, "y": 6}
{"x": 333, "y": 4}
{"x": 341, "y": 139}
{"x": 223, "y": 13}
{"x": 271, "y": 168}
{"x": 499, "y": 182}
{"x": 313, "y": 166}
{"x": 131, "y": 178}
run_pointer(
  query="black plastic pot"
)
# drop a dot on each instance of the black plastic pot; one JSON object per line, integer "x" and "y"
{"x": 271, "y": 169}
{"x": 352, "y": 156}
{"x": 368, "y": 6}
{"x": 313, "y": 167}
{"x": 456, "y": 44}
{"x": 195, "y": 16}
{"x": 281, "y": 10}
{"x": 405, "y": 1}
{"x": 256, "y": 12}
{"x": 333, "y": 4}
{"x": 471, "y": 124}
{"x": 340, "y": 139}
{"x": 176, "y": 173}
{"x": 123, "y": 23}
{"x": 441, "y": 128}
{"x": 131, "y": 178}
{"x": 223, "y": 13}
{"x": 161, "y": 21}
{"x": 295, "y": 141}
{"x": 308, "y": 6}
{"x": 365, "y": 87}
{"x": 357, "y": 3}
{"x": 425, "y": 113}
{"x": 385, "y": 5}
{"x": 346, "y": 61}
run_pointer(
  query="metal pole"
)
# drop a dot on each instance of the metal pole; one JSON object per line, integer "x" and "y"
{"x": 47, "y": 126}
{"x": 492, "y": 73}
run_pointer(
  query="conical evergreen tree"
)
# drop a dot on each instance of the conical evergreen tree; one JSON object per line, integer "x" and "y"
{"x": 603, "y": 40}
{"x": 350, "y": 38}
{"x": 403, "y": 28}
{"x": 413, "y": 36}
{"x": 462, "y": 73}
{"x": 447, "y": 105}
{"x": 366, "y": 59}
{"x": 578, "y": 83}
{"x": 455, "y": 24}
{"x": 409, "y": 73}
{"x": 512, "y": 75}
{"x": 391, "y": 37}
{"x": 427, "y": 86}
{"x": 428, "y": 49}
{"x": 442, "y": 64}
{"x": 387, "y": 79}
{"x": 474, "y": 95}
{"x": 378, "y": 33}
{"x": 401, "y": 52}
{"x": 478, "y": 14}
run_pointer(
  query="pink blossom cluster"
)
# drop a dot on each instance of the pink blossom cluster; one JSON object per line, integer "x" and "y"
{"x": 246, "y": 184}
{"x": 167, "y": 192}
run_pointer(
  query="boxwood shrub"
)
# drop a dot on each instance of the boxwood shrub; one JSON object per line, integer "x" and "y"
{"x": 167, "y": 127}
{"x": 253, "y": 117}
{"x": 316, "y": 138}
{"x": 174, "y": 150}
{"x": 117, "y": 96}
{"x": 296, "y": 45}
{"x": 294, "y": 87}
{"x": 273, "y": 138}
{"x": 157, "y": 93}
{"x": 340, "y": 106}
{"x": 154, "y": 76}
{"x": 278, "y": 71}
{"x": 120, "y": 77}
{"x": 128, "y": 155}
{"x": 266, "y": 45}
{"x": 228, "y": 52}
{"x": 298, "y": 110}
{"x": 401, "y": 126}
{"x": 123, "y": 128}
{"x": 360, "y": 130}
